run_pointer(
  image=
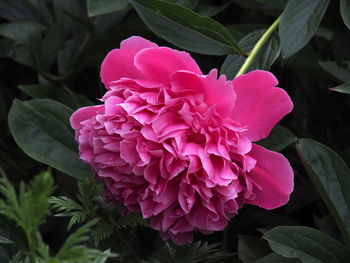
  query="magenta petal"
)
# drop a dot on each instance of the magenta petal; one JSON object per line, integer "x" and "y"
{"x": 218, "y": 92}
{"x": 119, "y": 63}
{"x": 273, "y": 176}
{"x": 259, "y": 105}
{"x": 83, "y": 114}
{"x": 159, "y": 64}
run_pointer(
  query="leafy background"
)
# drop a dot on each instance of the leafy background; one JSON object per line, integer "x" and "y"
{"x": 50, "y": 52}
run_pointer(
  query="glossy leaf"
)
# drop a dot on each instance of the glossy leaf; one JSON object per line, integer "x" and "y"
{"x": 337, "y": 71}
{"x": 331, "y": 178}
{"x": 184, "y": 28}
{"x": 100, "y": 7}
{"x": 299, "y": 23}
{"x": 343, "y": 88}
{"x": 264, "y": 60}
{"x": 279, "y": 138}
{"x": 306, "y": 244}
{"x": 41, "y": 129}
{"x": 345, "y": 11}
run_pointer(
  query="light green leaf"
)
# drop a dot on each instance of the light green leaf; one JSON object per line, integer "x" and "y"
{"x": 4, "y": 240}
{"x": 100, "y": 7}
{"x": 41, "y": 128}
{"x": 279, "y": 138}
{"x": 264, "y": 60}
{"x": 299, "y": 23}
{"x": 343, "y": 88}
{"x": 345, "y": 11}
{"x": 306, "y": 244}
{"x": 184, "y": 28}
{"x": 331, "y": 178}
{"x": 341, "y": 73}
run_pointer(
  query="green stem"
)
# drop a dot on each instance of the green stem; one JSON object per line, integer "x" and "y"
{"x": 258, "y": 47}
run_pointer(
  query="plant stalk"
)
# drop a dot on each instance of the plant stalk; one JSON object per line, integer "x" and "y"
{"x": 257, "y": 47}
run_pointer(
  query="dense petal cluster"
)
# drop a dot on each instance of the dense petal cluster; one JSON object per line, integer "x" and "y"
{"x": 176, "y": 145}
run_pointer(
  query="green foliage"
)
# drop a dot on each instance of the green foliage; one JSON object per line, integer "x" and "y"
{"x": 343, "y": 88}
{"x": 265, "y": 58}
{"x": 46, "y": 122}
{"x": 28, "y": 209}
{"x": 196, "y": 253}
{"x": 60, "y": 44}
{"x": 91, "y": 206}
{"x": 251, "y": 248}
{"x": 299, "y": 23}
{"x": 186, "y": 29}
{"x": 279, "y": 138}
{"x": 331, "y": 178}
{"x": 306, "y": 244}
{"x": 100, "y": 7}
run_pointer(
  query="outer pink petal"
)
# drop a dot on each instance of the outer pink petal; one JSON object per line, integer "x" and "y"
{"x": 83, "y": 114}
{"x": 217, "y": 92}
{"x": 160, "y": 63}
{"x": 273, "y": 176}
{"x": 119, "y": 63}
{"x": 259, "y": 105}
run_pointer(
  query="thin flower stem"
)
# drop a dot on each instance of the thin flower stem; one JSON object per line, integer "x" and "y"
{"x": 258, "y": 47}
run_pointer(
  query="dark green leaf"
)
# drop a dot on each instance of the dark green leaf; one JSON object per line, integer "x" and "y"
{"x": 20, "y": 31}
{"x": 204, "y": 9}
{"x": 251, "y": 248}
{"x": 184, "y": 28}
{"x": 186, "y": 3}
{"x": 275, "y": 258}
{"x": 337, "y": 71}
{"x": 100, "y": 7}
{"x": 331, "y": 178}
{"x": 277, "y": 4}
{"x": 265, "y": 58}
{"x": 61, "y": 94}
{"x": 306, "y": 244}
{"x": 50, "y": 46}
{"x": 41, "y": 128}
{"x": 343, "y": 88}
{"x": 345, "y": 12}
{"x": 279, "y": 138}
{"x": 299, "y": 22}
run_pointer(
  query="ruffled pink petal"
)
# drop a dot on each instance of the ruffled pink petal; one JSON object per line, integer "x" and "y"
{"x": 273, "y": 177}
{"x": 119, "y": 63}
{"x": 218, "y": 92}
{"x": 83, "y": 114}
{"x": 259, "y": 105}
{"x": 159, "y": 64}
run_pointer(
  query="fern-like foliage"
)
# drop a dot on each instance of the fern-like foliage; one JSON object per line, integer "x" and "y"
{"x": 28, "y": 209}
{"x": 90, "y": 205}
{"x": 4, "y": 240}
{"x": 197, "y": 252}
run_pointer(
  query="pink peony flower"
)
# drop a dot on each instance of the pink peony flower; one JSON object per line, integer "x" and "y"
{"x": 176, "y": 145}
